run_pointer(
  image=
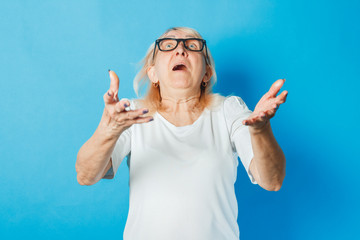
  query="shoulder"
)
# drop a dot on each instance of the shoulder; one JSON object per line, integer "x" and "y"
{"x": 216, "y": 102}
{"x": 226, "y": 103}
{"x": 234, "y": 102}
{"x": 235, "y": 107}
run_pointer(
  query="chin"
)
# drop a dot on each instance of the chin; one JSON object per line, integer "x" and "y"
{"x": 180, "y": 82}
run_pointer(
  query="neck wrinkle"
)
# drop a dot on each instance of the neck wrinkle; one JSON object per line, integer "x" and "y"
{"x": 180, "y": 100}
{"x": 176, "y": 104}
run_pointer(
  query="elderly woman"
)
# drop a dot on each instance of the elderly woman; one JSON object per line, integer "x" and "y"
{"x": 183, "y": 144}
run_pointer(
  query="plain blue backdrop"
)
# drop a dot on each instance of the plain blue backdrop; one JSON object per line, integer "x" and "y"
{"x": 54, "y": 57}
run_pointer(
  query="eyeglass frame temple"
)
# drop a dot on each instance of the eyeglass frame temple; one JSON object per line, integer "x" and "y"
{"x": 156, "y": 43}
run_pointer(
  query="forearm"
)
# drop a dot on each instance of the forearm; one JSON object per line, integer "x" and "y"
{"x": 94, "y": 155}
{"x": 269, "y": 159}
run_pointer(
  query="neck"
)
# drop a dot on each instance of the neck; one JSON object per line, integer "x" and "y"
{"x": 178, "y": 104}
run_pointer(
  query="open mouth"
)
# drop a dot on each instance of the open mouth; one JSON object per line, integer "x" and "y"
{"x": 179, "y": 67}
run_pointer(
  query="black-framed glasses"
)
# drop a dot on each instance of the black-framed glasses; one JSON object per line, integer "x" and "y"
{"x": 191, "y": 44}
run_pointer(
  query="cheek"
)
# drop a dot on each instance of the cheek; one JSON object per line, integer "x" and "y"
{"x": 202, "y": 69}
{"x": 161, "y": 66}
{"x": 160, "y": 69}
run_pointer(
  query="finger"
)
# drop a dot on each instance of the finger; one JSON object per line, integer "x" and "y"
{"x": 122, "y": 105}
{"x": 135, "y": 121}
{"x": 134, "y": 114}
{"x": 126, "y": 103}
{"x": 114, "y": 84}
{"x": 108, "y": 97}
{"x": 273, "y": 109}
{"x": 275, "y": 87}
{"x": 252, "y": 120}
{"x": 271, "y": 113}
{"x": 130, "y": 118}
{"x": 282, "y": 97}
{"x": 263, "y": 115}
{"x": 248, "y": 120}
{"x": 143, "y": 120}
{"x": 131, "y": 115}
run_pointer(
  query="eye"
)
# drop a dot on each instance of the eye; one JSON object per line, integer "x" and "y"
{"x": 169, "y": 45}
{"x": 192, "y": 46}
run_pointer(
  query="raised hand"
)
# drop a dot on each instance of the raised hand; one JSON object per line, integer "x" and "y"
{"x": 119, "y": 118}
{"x": 267, "y": 106}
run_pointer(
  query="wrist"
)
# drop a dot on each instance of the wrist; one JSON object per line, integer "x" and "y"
{"x": 259, "y": 130}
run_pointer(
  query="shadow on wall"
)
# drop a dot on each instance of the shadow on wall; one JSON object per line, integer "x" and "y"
{"x": 301, "y": 207}
{"x": 304, "y": 206}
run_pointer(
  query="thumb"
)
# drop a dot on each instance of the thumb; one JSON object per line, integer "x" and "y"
{"x": 114, "y": 84}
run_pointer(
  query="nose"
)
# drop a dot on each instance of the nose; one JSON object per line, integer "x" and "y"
{"x": 180, "y": 50}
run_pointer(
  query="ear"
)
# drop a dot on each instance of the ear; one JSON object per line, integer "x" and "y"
{"x": 208, "y": 74}
{"x": 151, "y": 74}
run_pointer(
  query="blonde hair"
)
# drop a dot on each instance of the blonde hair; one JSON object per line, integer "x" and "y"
{"x": 152, "y": 99}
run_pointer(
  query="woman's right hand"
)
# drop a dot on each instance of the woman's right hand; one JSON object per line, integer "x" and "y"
{"x": 118, "y": 119}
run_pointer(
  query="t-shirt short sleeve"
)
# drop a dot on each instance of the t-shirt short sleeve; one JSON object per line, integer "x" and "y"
{"x": 121, "y": 150}
{"x": 236, "y": 111}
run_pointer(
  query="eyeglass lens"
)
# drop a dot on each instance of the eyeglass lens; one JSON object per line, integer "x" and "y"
{"x": 191, "y": 44}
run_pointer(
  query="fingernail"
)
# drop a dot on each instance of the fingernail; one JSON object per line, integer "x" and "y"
{"x": 108, "y": 94}
{"x": 126, "y": 105}
{"x": 151, "y": 120}
{"x": 145, "y": 111}
{"x": 109, "y": 70}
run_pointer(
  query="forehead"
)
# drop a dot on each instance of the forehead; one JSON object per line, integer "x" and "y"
{"x": 179, "y": 34}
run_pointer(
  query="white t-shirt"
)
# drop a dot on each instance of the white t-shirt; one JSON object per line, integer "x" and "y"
{"x": 182, "y": 178}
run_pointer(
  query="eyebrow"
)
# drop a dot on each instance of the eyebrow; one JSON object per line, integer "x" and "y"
{"x": 174, "y": 36}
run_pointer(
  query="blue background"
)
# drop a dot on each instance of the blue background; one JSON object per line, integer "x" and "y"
{"x": 54, "y": 57}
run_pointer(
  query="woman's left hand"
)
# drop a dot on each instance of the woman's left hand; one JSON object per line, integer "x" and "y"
{"x": 267, "y": 106}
